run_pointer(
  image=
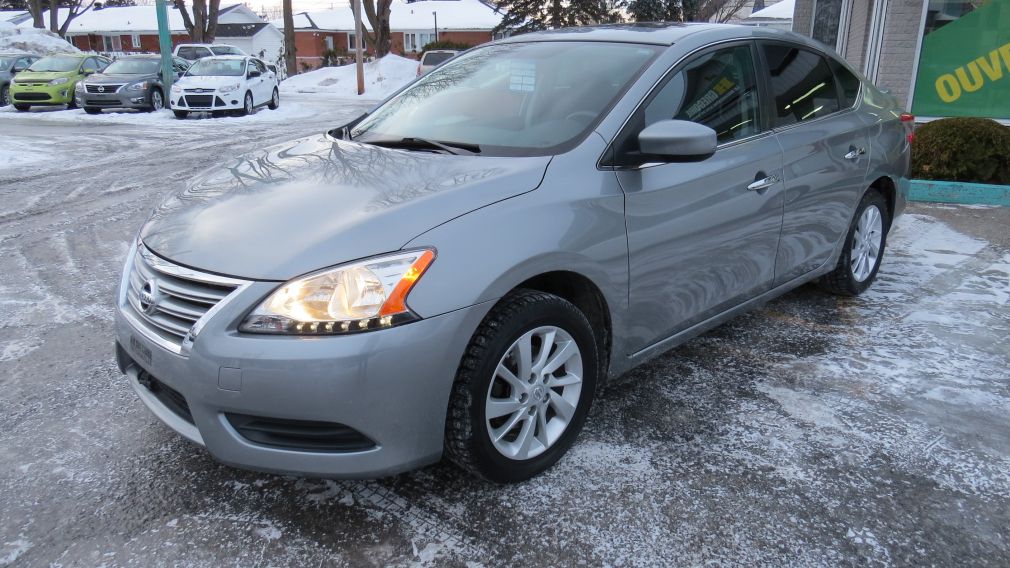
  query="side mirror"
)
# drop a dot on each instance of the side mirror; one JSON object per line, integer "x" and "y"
{"x": 254, "y": 73}
{"x": 677, "y": 140}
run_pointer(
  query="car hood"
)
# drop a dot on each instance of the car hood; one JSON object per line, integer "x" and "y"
{"x": 317, "y": 202}
{"x": 208, "y": 82}
{"x": 41, "y": 76}
{"x": 103, "y": 79}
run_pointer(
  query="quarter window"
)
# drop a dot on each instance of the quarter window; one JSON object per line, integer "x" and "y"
{"x": 848, "y": 82}
{"x": 802, "y": 84}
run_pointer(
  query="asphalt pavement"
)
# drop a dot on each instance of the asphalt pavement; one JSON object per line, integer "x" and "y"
{"x": 814, "y": 431}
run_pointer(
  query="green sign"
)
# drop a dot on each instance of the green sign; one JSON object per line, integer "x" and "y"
{"x": 964, "y": 66}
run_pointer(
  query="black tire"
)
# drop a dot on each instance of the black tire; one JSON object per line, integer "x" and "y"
{"x": 22, "y": 108}
{"x": 73, "y": 103}
{"x": 218, "y": 113}
{"x": 467, "y": 441}
{"x": 5, "y": 96}
{"x": 92, "y": 110}
{"x": 181, "y": 113}
{"x": 152, "y": 100}
{"x": 247, "y": 105}
{"x": 275, "y": 100}
{"x": 841, "y": 280}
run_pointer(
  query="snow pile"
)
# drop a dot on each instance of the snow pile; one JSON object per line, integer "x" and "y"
{"x": 32, "y": 40}
{"x": 383, "y": 77}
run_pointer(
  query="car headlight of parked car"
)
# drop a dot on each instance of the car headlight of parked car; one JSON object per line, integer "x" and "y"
{"x": 79, "y": 86}
{"x": 137, "y": 86}
{"x": 59, "y": 81}
{"x": 361, "y": 296}
{"x": 176, "y": 88}
{"x": 229, "y": 88}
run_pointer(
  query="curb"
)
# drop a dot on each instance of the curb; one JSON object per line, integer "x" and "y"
{"x": 959, "y": 192}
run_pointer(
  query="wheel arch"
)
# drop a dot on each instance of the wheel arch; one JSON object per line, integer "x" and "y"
{"x": 886, "y": 186}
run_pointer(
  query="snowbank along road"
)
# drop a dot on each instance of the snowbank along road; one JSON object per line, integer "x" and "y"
{"x": 815, "y": 431}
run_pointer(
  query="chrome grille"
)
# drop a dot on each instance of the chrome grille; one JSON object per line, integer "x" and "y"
{"x": 167, "y": 300}
{"x": 102, "y": 88}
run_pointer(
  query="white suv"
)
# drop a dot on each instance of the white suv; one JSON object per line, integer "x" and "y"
{"x": 229, "y": 84}
{"x": 194, "y": 51}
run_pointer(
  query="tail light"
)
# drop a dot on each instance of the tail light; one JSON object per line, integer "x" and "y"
{"x": 908, "y": 119}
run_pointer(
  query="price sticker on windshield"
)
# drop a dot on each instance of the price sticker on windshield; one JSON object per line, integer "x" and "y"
{"x": 523, "y": 76}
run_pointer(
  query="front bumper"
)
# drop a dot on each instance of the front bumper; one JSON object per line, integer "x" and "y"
{"x": 392, "y": 386}
{"x": 42, "y": 95}
{"x": 123, "y": 99}
{"x": 207, "y": 102}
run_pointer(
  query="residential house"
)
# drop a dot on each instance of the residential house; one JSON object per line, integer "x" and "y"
{"x": 412, "y": 26}
{"x": 134, "y": 29}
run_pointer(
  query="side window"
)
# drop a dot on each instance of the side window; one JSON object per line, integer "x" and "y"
{"x": 21, "y": 64}
{"x": 90, "y": 63}
{"x": 802, "y": 84}
{"x": 848, "y": 82}
{"x": 187, "y": 53}
{"x": 259, "y": 65}
{"x": 717, "y": 89}
{"x": 101, "y": 63}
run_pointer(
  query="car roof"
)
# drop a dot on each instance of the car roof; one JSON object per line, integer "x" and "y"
{"x": 204, "y": 45}
{"x": 14, "y": 54}
{"x": 658, "y": 33}
{"x": 226, "y": 57}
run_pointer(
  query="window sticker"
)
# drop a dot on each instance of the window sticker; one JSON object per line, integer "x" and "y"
{"x": 522, "y": 76}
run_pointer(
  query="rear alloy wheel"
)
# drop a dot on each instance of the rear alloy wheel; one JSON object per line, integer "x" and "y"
{"x": 5, "y": 96}
{"x": 247, "y": 106}
{"x": 181, "y": 113}
{"x": 864, "y": 248}
{"x": 523, "y": 388}
{"x": 275, "y": 100}
{"x": 156, "y": 101}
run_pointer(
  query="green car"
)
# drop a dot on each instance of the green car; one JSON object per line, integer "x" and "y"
{"x": 51, "y": 80}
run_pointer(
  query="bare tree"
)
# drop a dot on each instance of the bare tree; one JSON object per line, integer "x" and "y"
{"x": 202, "y": 25}
{"x": 290, "y": 59}
{"x": 73, "y": 8}
{"x": 379, "y": 39}
{"x": 36, "y": 9}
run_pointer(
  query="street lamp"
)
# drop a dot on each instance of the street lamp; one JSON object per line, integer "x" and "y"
{"x": 436, "y": 24}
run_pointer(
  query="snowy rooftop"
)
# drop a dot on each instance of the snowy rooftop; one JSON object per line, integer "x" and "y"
{"x": 122, "y": 19}
{"x": 782, "y": 10}
{"x": 452, "y": 15}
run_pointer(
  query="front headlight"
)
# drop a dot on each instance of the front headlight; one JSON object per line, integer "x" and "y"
{"x": 229, "y": 88}
{"x": 137, "y": 86}
{"x": 79, "y": 86}
{"x": 176, "y": 88}
{"x": 361, "y": 296}
{"x": 59, "y": 81}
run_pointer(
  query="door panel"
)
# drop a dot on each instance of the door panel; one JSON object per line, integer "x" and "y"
{"x": 699, "y": 240}
{"x": 824, "y": 156}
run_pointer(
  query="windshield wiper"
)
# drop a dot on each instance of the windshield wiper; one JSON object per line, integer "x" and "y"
{"x": 414, "y": 142}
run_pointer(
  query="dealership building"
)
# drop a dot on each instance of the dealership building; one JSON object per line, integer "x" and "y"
{"x": 939, "y": 57}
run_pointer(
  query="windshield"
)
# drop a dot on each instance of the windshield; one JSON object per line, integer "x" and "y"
{"x": 435, "y": 57}
{"x": 51, "y": 64}
{"x": 217, "y": 68}
{"x": 516, "y": 99}
{"x": 225, "y": 50}
{"x": 133, "y": 67}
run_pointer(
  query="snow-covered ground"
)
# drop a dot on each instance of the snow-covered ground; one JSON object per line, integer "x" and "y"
{"x": 814, "y": 431}
{"x": 383, "y": 77}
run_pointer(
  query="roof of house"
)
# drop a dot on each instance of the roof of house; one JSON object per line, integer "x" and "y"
{"x": 452, "y": 15}
{"x": 125, "y": 19}
{"x": 782, "y": 10}
{"x": 14, "y": 16}
{"x": 240, "y": 30}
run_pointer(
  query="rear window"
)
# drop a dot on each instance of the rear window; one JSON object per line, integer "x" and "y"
{"x": 434, "y": 58}
{"x": 193, "y": 53}
{"x": 225, "y": 50}
{"x": 848, "y": 82}
{"x": 803, "y": 85}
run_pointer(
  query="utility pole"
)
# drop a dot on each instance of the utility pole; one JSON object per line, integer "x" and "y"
{"x": 436, "y": 24}
{"x": 165, "y": 47}
{"x": 359, "y": 64}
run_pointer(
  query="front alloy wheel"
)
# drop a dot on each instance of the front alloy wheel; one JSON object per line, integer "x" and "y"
{"x": 157, "y": 100}
{"x": 523, "y": 388}
{"x": 247, "y": 107}
{"x": 534, "y": 392}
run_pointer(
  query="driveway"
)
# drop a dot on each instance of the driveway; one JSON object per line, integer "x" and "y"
{"x": 814, "y": 431}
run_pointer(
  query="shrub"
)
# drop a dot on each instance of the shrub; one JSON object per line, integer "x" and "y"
{"x": 445, "y": 44}
{"x": 962, "y": 149}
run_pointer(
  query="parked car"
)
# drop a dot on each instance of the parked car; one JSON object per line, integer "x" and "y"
{"x": 10, "y": 65}
{"x": 51, "y": 80}
{"x": 459, "y": 271}
{"x": 193, "y": 51}
{"x": 231, "y": 83}
{"x": 133, "y": 81}
{"x": 432, "y": 59}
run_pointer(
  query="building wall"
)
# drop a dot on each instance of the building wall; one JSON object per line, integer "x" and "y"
{"x": 859, "y": 30}
{"x": 897, "y": 50}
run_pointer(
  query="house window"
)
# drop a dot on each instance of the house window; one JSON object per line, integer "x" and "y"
{"x": 135, "y": 41}
{"x": 329, "y": 42}
{"x": 416, "y": 41}
{"x": 829, "y": 18}
{"x": 351, "y": 42}
{"x": 112, "y": 43}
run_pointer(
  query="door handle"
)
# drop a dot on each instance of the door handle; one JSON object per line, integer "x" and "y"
{"x": 763, "y": 183}
{"x": 854, "y": 153}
